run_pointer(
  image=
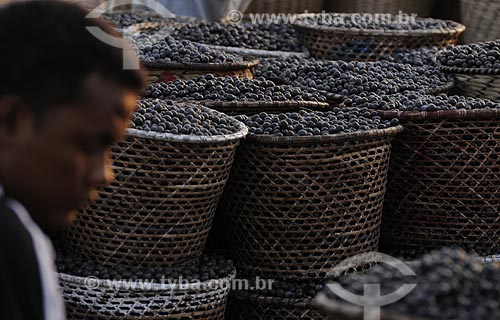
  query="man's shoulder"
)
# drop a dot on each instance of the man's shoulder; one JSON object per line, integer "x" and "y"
{"x": 19, "y": 273}
{"x": 12, "y": 230}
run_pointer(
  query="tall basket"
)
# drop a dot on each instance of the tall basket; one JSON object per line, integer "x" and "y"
{"x": 443, "y": 182}
{"x": 296, "y": 206}
{"x": 159, "y": 210}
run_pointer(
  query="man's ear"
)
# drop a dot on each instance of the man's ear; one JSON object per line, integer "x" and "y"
{"x": 15, "y": 118}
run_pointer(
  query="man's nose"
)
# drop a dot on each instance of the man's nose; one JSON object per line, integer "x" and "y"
{"x": 101, "y": 170}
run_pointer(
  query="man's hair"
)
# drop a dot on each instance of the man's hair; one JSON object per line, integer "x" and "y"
{"x": 47, "y": 52}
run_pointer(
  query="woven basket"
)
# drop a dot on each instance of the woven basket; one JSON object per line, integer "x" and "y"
{"x": 245, "y": 306}
{"x": 250, "y": 107}
{"x": 482, "y": 19}
{"x": 476, "y": 82}
{"x": 100, "y": 299}
{"x": 285, "y": 6}
{"x": 335, "y": 43}
{"x": 165, "y": 72}
{"x": 296, "y": 206}
{"x": 423, "y": 8}
{"x": 344, "y": 311}
{"x": 160, "y": 208}
{"x": 443, "y": 182}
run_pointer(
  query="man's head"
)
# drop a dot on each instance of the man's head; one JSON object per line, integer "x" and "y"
{"x": 64, "y": 98}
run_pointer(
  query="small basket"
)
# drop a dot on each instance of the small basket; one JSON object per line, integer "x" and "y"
{"x": 443, "y": 182}
{"x": 253, "y": 107}
{"x": 335, "y": 43}
{"x": 91, "y": 298}
{"x": 476, "y": 82}
{"x": 296, "y": 206}
{"x": 421, "y": 7}
{"x": 482, "y": 19}
{"x": 166, "y": 72}
{"x": 285, "y": 6}
{"x": 247, "y": 306}
{"x": 159, "y": 209}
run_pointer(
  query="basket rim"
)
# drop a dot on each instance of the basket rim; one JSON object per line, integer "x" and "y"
{"x": 137, "y": 286}
{"x": 352, "y": 312}
{"x": 261, "y": 53}
{"x": 291, "y": 103}
{"x": 455, "y": 28}
{"x": 295, "y": 140}
{"x": 468, "y": 71}
{"x": 241, "y": 133}
{"x": 201, "y": 66}
{"x": 440, "y": 114}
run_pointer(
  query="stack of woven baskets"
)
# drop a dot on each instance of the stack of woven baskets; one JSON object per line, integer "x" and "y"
{"x": 158, "y": 212}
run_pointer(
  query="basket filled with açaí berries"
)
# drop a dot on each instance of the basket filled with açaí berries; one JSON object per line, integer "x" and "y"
{"x": 167, "y": 59}
{"x": 366, "y": 37}
{"x": 475, "y": 67}
{"x": 306, "y": 191}
{"x": 171, "y": 170}
{"x": 236, "y": 96}
{"x": 197, "y": 290}
{"x": 444, "y": 172}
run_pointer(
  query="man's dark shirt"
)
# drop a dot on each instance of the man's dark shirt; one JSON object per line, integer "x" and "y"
{"x": 20, "y": 284}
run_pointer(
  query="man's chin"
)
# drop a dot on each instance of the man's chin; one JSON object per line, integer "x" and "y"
{"x": 60, "y": 222}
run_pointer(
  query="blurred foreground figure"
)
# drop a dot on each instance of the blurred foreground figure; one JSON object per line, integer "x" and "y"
{"x": 64, "y": 99}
